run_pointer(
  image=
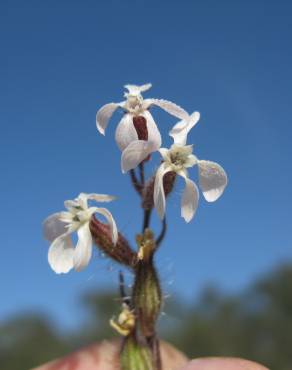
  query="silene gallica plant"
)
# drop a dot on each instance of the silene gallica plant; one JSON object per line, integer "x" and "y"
{"x": 137, "y": 136}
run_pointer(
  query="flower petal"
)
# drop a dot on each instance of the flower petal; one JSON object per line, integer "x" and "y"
{"x": 165, "y": 154}
{"x": 100, "y": 197}
{"x": 190, "y": 199}
{"x": 53, "y": 227}
{"x": 136, "y": 89}
{"x": 125, "y": 132}
{"x": 111, "y": 222}
{"x": 83, "y": 250}
{"x": 153, "y": 132}
{"x": 82, "y": 200}
{"x": 159, "y": 195}
{"x": 212, "y": 179}
{"x": 61, "y": 253}
{"x": 135, "y": 153}
{"x": 71, "y": 204}
{"x": 180, "y": 131}
{"x": 191, "y": 161}
{"x": 169, "y": 107}
{"x": 104, "y": 114}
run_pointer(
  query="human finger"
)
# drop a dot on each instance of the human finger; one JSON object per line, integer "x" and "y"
{"x": 218, "y": 363}
{"x": 105, "y": 356}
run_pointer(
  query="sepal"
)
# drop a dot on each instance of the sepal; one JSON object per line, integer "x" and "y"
{"x": 102, "y": 237}
{"x": 147, "y": 297}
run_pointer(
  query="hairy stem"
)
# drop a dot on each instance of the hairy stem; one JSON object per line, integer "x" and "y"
{"x": 125, "y": 298}
{"x": 155, "y": 346}
{"x": 146, "y": 220}
{"x": 136, "y": 183}
{"x": 162, "y": 233}
{"x": 142, "y": 176}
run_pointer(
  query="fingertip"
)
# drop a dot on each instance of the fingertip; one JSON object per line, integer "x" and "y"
{"x": 222, "y": 364}
{"x": 105, "y": 356}
{"x": 100, "y": 356}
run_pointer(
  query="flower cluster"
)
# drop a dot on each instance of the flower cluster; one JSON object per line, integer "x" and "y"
{"x": 137, "y": 136}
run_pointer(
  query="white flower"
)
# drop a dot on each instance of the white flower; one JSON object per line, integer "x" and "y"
{"x": 58, "y": 228}
{"x": 212, "y": 177}
{"x": 137, "y": 134}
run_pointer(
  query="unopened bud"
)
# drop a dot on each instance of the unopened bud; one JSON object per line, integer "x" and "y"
{"x": 102, "y": 237}
{"x": 147, "y": 296}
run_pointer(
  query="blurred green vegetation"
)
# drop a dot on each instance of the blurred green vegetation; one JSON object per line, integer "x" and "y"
{"x": 255, "y": 324}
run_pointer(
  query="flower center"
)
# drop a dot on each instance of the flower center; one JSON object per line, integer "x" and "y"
{"x": 80, "y": 215}
{"x": 134, "y": 103}
{"x": 78, "y": 208}
{"x": 76, "y": 219}
{"x": 178, "y": 158}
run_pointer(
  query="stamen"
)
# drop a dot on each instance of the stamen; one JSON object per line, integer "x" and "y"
{"x": 125, "y": 323}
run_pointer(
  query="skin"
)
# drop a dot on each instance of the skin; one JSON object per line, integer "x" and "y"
{"x": 104, "y": 356}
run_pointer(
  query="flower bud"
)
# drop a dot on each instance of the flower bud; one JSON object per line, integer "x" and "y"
{"x": 147, "y": 296}
{"x": 168, "y": 184}
{"x": 102, "y": 237}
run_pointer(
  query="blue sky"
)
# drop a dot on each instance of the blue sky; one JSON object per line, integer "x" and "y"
{"x": 61, "y": 61}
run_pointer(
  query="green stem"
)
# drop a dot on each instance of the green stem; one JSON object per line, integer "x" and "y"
{"x": 135, "y": 355}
